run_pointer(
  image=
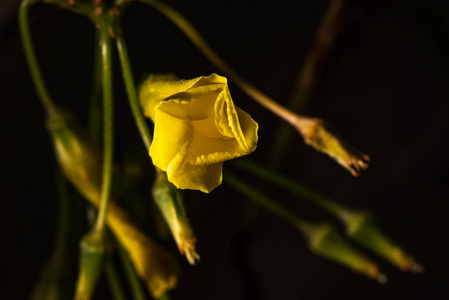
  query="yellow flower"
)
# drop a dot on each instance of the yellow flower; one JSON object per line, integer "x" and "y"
{"x": 196, "y": 128}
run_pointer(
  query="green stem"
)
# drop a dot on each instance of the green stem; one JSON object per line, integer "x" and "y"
{"x": 114, "y": 281}
{"x": 131, "y": 89}
{"x": 131, "y": 275}
{"x": 62, "y": 235}
{"x": 95, "y": 117}
{"x": 108, "y": 116}
{"x": 293, "y": 186}
{"x": 260, "y": 198}
{"x": 30, "y": 55}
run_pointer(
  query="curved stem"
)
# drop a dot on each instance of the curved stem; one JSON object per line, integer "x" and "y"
{"x": 30, "y": 55}
{"x": 108, "y": 116}
{"x": 187, "y": 28}
{"x": 131, "y": 89}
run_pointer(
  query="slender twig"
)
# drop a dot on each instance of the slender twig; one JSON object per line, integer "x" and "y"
{"x": 108, "y": 111}
{"x": 30, "y": 55}
{"x": 131, "y": 89}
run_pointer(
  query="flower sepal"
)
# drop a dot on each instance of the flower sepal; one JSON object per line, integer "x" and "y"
{"x": 169, "y": 200}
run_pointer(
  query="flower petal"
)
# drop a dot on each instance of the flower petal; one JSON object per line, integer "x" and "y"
{"x": 207, "y": 128}
{"x": 227, "y": 120}
{"x": 172, "y": 139}
{"x": 195, "y": 104}
{"x": 203, "y": 178}
{"x": 158, "y": 87}
{"x": 248, "y": 128}
{"x": 207, "y": 150}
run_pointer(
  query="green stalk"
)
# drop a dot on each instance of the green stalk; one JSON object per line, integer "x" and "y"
{"x": 64, "y": 219}
{"x": 30, "y": 55}
{"x": 134, "y": 282}
{"x": 323, "y": 239}
{"x": 95, "y": 124}
{"x": 131, "y": 89}
{"x": 293, "y": 186}
{"x": 114, "y": 282}
{"x": 108, "y": 119}
{"x": 95, "y": 111}
{"x": 267, "y": 203}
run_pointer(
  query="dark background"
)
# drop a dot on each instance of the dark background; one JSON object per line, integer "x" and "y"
{"x": 384, "y": 88}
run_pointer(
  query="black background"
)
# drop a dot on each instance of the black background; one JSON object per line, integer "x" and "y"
{"x": 384, "y": 88}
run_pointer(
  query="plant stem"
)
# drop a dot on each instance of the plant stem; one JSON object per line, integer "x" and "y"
{"x": 30, "y": 55}
{"x": 108, "y": 116}
{"x": 131, "y": 89}
{"x": 131, "y": 275}
{"x": 187, "y": 28}
{"x": 325, "y": 37}
{"x": 293, "y": 186}
{"x": 95, "y": 117}
{"x": 261, "y": 199}
{"x": 63, "y": 215}
{"x": 114, "y": 282}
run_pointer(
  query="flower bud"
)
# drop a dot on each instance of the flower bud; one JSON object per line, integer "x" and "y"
{"x": 325, "y": 240}
{"x": 317, "y": 134}
{"x": 96, "y": 249}
{"x": 169, "y": 200}
{"x": 363, "y": 228}
{"x": 78, "y": 154}
{"x": 197, "y": 127}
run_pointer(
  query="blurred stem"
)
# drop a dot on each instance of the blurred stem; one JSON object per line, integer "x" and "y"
{"x": 262, "y": 200}
{"x": 30, "y": 55}
{"x": 325, "y": 37}
{"x": 187, "y": 28}
{"x": 108, "y": 119}
{"x": 131, "y": 275}
{"x": 295, "y": 187}
{"x": 131, "y": 89}
{"x": 95, "y": 110}
{"x": 62, "y": 235}
{"x": 95, "y": 124}
{"x": 114, "y": 282}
